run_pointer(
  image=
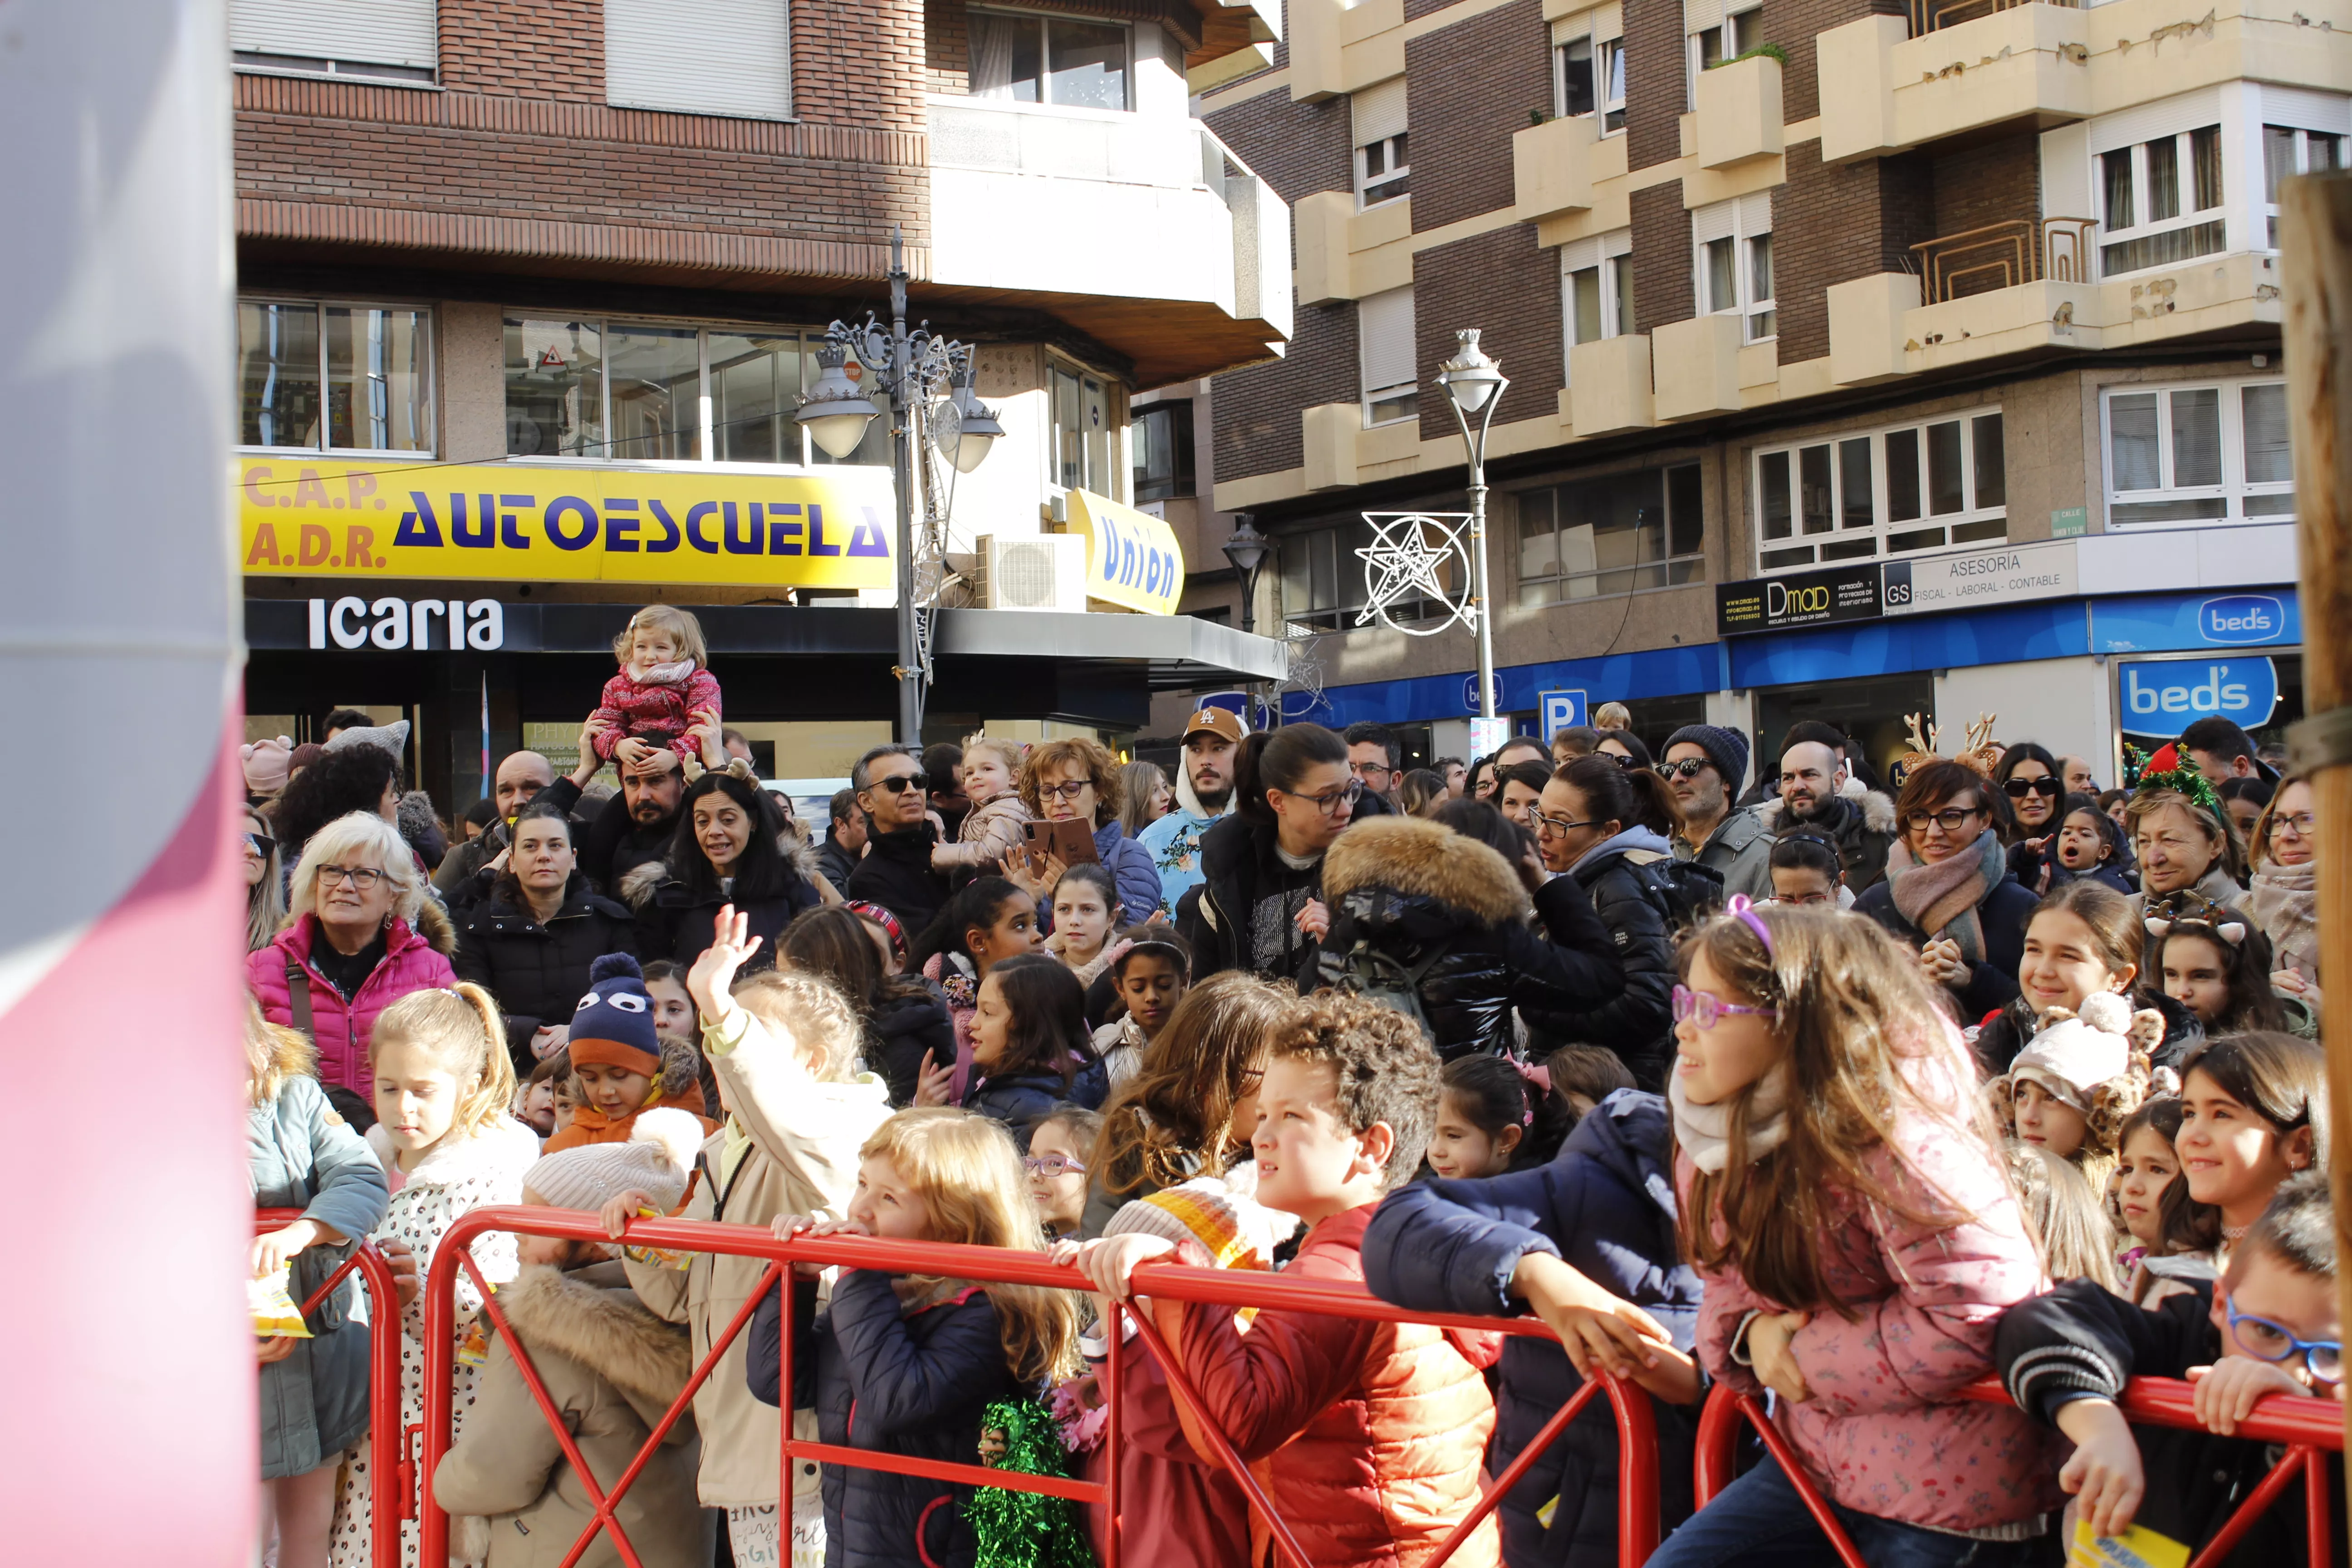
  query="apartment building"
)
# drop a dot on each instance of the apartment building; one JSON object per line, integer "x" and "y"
{"x": 1864, "y": 359}
{"x": 529, "y": 295}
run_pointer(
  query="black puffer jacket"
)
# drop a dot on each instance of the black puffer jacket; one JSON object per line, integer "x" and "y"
{"x": 1022, "y": 1100}
{"x": 539, "y": 973}
{"x": 1240, "y": 866}
{"x": 905, "y": 1032}
{"x": 897, "y": 874}
{"x": 1408, "y": 889}
{"x": 1638, "y": 1022}
{"x": 892, "y": 1382}
{"x": 674, "y": 923}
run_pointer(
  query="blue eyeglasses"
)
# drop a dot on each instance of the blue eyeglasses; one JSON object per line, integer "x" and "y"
{"x": 2265, "y": 1341}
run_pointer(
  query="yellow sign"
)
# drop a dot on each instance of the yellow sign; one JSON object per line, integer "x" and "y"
{"x": 304, "y": 517}
{"x": 1131, "y": 556}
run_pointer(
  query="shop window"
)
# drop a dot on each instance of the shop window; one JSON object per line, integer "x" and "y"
{"x": 1073, "y": 62}
{"x": 334, "y": 377}
{"x": 383, "y": 41}
{"x": 1384, "y": 335}
{"x": 1082, "y": 434}
{"x": 1160, "y": 437}
{"x": 1596, "y": 286}
{"x": 639, "y": 391}
{"x": 1588, "y": 78}
{"x": 1869, "y": 494}
{"x": 2160, "y": 201}
{"x": 1717, "y": 33}
{"x": 1383, "y": 162}
{"x": 2288, "y": 150}
{"x": 2213, "y": 453}
{"x": 1613, "y": 535}
{"x": 1732, "y": 243}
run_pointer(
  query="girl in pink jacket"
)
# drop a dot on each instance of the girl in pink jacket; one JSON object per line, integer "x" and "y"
{"x": 1844, "y": 1202}
{"x": 664, "y": 695}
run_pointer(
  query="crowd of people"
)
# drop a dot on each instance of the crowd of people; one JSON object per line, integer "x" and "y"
{"x": 1846, "y": 1093}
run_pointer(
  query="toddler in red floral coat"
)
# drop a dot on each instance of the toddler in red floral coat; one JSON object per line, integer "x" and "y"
{"x": 664, "y": 695}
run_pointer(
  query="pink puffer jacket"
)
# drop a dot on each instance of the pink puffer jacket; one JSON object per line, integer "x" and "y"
{"x": 411, "y": 962}
{"x": 1883, "y": 1433}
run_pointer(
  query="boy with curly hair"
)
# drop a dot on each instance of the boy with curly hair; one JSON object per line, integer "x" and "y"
{"x": 1366, "y": 1436}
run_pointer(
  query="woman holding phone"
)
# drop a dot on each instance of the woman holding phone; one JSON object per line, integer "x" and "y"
{"x": 1072, "y": 786}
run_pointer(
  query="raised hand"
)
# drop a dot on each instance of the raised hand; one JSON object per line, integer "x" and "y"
{"x": 732, "y": 946}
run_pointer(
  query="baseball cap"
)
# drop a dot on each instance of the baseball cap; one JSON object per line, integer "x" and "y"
{"x": 1220, "y": 721}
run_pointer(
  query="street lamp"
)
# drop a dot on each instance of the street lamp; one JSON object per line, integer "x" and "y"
{"x": 1474, "y": 385}
{"x": 1247, "y": 549}
{"x": 913, "y": 370}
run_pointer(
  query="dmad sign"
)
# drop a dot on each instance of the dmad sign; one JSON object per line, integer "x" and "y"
{"x": 2160, "y": 698}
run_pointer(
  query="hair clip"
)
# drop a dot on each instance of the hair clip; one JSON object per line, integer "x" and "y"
{"x": 1739, "y": 907}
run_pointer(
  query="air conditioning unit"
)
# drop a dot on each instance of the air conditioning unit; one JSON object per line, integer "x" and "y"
{"x": 1031, "y": 572}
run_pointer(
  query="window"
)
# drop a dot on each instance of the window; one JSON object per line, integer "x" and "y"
{"x": 2198, "y": 454}
{"x": 1590, "y": 77}
{"x": 1160, "y": 437}
{"x": 1596, "y": 286}
{"x": 731, "y": 58}
{"x": 2288, "y": 150}
{"x": 1069, "y": 61}
{"x": 1712, "y": 41}
{"x": 334, "y": 377}
{"x": 1613, "y": 535}
{"x": 1734, "y": 256}
{"x": 640, "y": 391}
{"x": 1882, "y": 492}
{"x": 383, "y": 41}
{"x": 1384, "y": 334}
{"x": 2160, "y": 201}
{"x": 1082, "y": 434}
{"x": 1323, "y": 579}
{"x": 1383, "y": 167}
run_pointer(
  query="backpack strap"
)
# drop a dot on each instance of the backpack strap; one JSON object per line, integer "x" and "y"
{"x": 297, "y": 997}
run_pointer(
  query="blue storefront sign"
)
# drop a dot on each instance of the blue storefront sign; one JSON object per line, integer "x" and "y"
{"x": 1470, "y": 692}
{"x": 2154, "y": 623}
{"x": 2158, "y": 698}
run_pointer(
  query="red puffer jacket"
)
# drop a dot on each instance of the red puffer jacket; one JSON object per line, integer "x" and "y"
{"x": 1368, "y": 1437}
{"x": 412, "y": 962}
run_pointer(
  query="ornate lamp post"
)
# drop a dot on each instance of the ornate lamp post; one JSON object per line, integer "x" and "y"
{"x": 1474, "y": 385}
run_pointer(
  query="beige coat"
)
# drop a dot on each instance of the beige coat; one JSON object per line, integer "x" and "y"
{"x": 612, "y": 1369}
{"x": 804, "y": 1160}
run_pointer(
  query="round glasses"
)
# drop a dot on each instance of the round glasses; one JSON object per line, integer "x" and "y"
{"x": 1704, "y": 1007}
{"x": 2265, "y": 1341}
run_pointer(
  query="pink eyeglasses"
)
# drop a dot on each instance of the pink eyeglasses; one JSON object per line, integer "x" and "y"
{"x": 1705, "y": 1006}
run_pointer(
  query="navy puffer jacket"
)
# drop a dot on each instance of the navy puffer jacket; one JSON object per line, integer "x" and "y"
{"x": 911, "y": 1383}
{"x": 1606, "y": 1206}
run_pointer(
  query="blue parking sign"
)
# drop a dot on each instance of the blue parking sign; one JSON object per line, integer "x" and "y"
{"x": 1561, "y": 711}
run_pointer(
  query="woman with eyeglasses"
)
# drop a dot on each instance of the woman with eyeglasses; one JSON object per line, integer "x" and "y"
{"x": 1259, "y": 906}
{"x": 1948, "y": 893}
{"x": 265, "y": 887}
{"x": 1609, "y": 830}
{"x": 2285, "y": 901}
{"x": 1077, "y": 779}
{"x": 363, "y": 932}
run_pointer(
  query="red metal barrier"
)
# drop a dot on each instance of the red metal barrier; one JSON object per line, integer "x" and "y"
{"x": 1636, "y": 1429}
{"x": 2311, "y": 1429}
{"x": 391, "y": 1477}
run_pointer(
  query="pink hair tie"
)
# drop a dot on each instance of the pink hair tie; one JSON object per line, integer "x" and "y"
{"x": 1535, "y": 1074}
{"x": 1739, "y": 907}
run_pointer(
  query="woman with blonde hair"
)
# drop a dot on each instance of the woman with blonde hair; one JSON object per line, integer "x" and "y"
{"x": 362, "y": 933}
{"x": 265, "y": 883}
{"x": 1148, "y": 795}
{"x": 2285, "y": 901}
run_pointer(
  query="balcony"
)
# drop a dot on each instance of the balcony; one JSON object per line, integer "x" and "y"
{"x": 1346, "y": 253}
{"x": 1551, "y": 167}
{"x": 1102, "y": 210}
{"x": 2212, "y": 296}
{"x": 1738, "y": 112}
{"x": 1933, "y": 15}
{"x": 1336, "y": 47}
{"x": 1697, "y": 367}
{"x": 2004, "y": 254}
{"x": 1609, "y": 386}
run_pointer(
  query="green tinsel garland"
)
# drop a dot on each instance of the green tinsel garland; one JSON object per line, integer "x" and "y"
{"x": 1026, "y": 1530}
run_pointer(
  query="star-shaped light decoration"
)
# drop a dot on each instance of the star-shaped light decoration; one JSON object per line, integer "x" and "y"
{"x": 1407, "y": 559}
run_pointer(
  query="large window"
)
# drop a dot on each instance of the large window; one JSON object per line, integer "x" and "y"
{"x": 1323, "y": 579}
{"x": 2288, "y": 150}
{"x": 1082, "y": 459}
{"x": 383, "y": 41}
{"x": 1882, "y": 492}
{"x": 1160, "y": 437}
{"x": 1384, "y": 335}
{"x": 334, "y": 376}
{"x": 1711, "y": 42}
{"x": 1596, "y": 286}
{"x": 1383, "y": 162}
{"x": 1732, "y": 244}
{"x": 637, "y": 391}
{"x": 1588, "y": 78}
{"x": 2160, "y": 201}
{"x": 1071, "y": 62}
{"x": 1611, "y": 535}
{"x": 2212, "y": 453}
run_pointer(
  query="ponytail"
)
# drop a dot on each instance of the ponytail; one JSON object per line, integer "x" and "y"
{"x": 1631, "y": 797}
{"x": 1278, "y": 759}
{"x": 462, "y": 1028}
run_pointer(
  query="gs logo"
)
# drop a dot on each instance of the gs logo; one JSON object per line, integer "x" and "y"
{"x": 1896, "y": 588}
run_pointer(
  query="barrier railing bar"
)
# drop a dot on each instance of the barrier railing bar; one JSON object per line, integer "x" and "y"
{"x": 1718, "y": 1429}
{"x": 2292, "y": 1466}
{"x": 948, "y": 1470}
{"x": 1114, "y": 1385}
{"x": 2169, "y": 1401}
{"x": 388, "y": 1496}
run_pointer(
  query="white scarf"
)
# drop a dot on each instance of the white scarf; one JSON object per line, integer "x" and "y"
{"x": 1703, "y": 1131}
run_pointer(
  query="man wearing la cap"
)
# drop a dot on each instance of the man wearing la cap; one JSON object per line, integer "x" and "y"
{"x": 1205, "y": 792}
{"x": 620, "y": 1060}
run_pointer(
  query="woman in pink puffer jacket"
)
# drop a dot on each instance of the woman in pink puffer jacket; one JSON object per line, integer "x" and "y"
{"x": 347, "y": 951}
{"x": 1858, "y": 1240}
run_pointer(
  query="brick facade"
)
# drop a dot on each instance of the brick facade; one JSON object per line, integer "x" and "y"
{"x": 1661, "y": 257}
{"x": 1843, "y": 223}
{"x": 524, "y": 49}
{"x": 1470, "y": 86}
{"x": 1654, "y": 89}
{"x": 1794, "y": 24}
{"x": 947, "y": 47}
{"x": 1501, "y": 283}
{"x": 1995, "y": 183}
{"x": 859, "y": 62}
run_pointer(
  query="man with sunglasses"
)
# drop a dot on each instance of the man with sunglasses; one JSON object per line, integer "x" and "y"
{"x": 1813, "y": 794}
{"x": 894, "y": 793}
{"x": 1702, "y": 767}
{"x": 2269, "y": 1326}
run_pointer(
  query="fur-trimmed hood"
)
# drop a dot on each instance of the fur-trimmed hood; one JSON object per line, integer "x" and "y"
{"x": 434, "y": 924}
{"x": 1877, "y": 810}
{"x": 605, "y": 1329}
{"x": 1420, "y": 859}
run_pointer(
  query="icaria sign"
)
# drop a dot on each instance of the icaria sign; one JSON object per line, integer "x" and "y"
{"x": 417, "y": 625}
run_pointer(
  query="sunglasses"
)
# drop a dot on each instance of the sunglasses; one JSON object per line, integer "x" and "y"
{"x": 1052, "y": 1166}
{"x": 899, "y": 784}
{"x": 1705, "y": 1007}
{"x": 261, "y": 843}
{"x": 1689, "y": 768}
{"x": 2017, "y": 789}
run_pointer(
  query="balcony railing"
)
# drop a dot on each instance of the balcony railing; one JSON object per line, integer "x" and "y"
{"x": 1932, "y": 15}
{"x": 2004, "y": 254}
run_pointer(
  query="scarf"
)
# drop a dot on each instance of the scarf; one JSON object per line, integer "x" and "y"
{"x": 1941, "y": 901}
{"x": 1703, "y": 1131}
{"x": 674, "y": 673}
{"x": 2284, "y": 901}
